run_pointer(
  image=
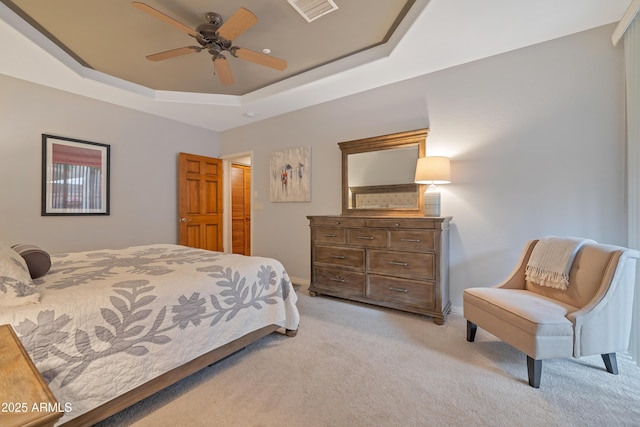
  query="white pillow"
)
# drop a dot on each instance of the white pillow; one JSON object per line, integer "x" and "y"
{"x": 16, "y": 286}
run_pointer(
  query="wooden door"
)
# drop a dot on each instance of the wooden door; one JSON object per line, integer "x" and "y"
{"x": 200, "y": 200}
{"x": 241, "y": 209}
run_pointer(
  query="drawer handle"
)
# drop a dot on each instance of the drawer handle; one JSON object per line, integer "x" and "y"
{"x": 337, "y": 279}
{"x": 410, "y": 240}
{"x": 338, "y": 256}
{"x": 366, "y": 237}
{"x": 330, "y": 235}
{"x": 403, "y": 264}
{"x": 391, "y": 288}
{"x": 337, "y": 222}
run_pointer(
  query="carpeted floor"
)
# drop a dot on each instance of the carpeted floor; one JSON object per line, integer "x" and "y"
{"x": 357, "y": 365}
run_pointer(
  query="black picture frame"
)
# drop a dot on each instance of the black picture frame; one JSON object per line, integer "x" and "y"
{"x": 75, "y": 176}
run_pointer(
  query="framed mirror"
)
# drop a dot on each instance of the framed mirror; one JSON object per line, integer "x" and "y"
{"x": 378, "y": 174}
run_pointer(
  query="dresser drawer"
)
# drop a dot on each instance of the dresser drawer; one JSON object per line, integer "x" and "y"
{"x": 369, "y": 238}
{"x": 403, "y": 264}
{"x": 332, "y": 221}
{"x": 336, "y": 236}
{"x": 341, "y": 281}
{"x": 402, "y": 223}
{"x": 412, "y": 240}
{"x": 341, "y": 257}
{"x": 408, "y": 293}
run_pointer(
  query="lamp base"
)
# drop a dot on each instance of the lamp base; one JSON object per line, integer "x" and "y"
{"x": 432, "y": 203}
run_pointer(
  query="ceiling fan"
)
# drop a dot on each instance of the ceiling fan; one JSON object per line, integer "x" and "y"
{"x": 216, "y": 36}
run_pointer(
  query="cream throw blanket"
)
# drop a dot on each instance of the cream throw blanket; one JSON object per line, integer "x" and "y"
{"x": 551, "y": 259}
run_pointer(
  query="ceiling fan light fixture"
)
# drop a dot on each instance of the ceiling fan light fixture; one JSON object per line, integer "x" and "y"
{"x": 313, "y": 9}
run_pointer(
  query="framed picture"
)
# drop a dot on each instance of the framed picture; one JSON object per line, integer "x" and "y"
{"x": 290, "y": 179}
{"x": 75, "y": 176}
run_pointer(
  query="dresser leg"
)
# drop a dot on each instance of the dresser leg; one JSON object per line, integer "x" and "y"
{"x": 441, "y": 320}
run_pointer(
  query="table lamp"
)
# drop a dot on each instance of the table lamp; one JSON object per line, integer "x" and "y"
{"x": 433, "y": 170}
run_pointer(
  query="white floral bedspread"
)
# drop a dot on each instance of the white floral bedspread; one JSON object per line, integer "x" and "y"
{"x": 111, "y": 320}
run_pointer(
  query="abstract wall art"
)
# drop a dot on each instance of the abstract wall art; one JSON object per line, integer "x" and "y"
{"x": 290, "y": 175}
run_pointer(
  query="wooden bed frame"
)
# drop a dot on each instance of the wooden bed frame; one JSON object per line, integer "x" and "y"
{"x": 171, "y": 377}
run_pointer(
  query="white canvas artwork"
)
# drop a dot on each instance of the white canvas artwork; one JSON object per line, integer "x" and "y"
{"x": 290, "y": 179}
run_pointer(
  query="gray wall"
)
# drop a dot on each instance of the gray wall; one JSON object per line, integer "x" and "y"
{"x": 143, "y": 168}
{"x": 536, "y": 138}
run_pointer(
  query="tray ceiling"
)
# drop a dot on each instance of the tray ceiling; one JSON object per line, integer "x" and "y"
{"x": 114, "y": 37}
{"x": 433, "y": 35}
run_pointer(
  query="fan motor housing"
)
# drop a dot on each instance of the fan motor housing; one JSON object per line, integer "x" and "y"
{"x": 214, "y": 18}
{"x": 207, "y": 33}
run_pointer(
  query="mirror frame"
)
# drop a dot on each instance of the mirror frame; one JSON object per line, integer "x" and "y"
{"x": 414, "y": 138}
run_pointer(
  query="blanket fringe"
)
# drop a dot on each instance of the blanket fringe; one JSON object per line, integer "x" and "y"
{"x": 548, "y": 278}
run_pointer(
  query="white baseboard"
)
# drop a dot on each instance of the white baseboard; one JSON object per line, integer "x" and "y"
{"x": 456, "y": 310}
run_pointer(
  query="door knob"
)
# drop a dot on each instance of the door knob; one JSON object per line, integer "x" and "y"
{"x": 183, "y": 219}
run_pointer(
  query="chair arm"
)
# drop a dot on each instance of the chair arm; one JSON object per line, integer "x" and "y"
{"x": 603, "y": 325}
{"x": 515, "y": 280}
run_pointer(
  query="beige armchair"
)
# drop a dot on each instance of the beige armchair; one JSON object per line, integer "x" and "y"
{"x": 592, "y": 316}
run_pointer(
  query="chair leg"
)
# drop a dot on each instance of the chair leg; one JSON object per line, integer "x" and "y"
{"x": 534, "y": 368}
{"x": 471, "y": 331}
{"x": 611, "y": 363}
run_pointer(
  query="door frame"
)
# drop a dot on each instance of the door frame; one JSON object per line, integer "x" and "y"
{"x": 226, "y": 196}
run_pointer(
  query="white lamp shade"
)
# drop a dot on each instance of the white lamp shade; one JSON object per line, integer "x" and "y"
{"x": 433, "y": 170}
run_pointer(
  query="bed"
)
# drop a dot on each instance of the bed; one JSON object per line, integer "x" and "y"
{"x": 108, "y": 328}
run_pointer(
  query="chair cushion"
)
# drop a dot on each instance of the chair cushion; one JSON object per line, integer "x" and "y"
{"x": 534, "y": 324}
{"x": 533, "y": 313}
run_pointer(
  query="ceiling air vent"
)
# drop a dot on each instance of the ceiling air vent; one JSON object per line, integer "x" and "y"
{"x": 313, "y": 9}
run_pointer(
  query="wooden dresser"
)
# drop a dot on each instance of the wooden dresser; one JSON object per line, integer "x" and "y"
{"x": 25, "y": 398}
{"x": 396, "y": 262}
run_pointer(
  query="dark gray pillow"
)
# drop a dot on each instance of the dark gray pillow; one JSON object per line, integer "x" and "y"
{"x": 38, "y": 261}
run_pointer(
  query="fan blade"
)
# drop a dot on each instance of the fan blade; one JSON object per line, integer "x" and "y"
{"x": 223, "y": 70}
{"x": 259, "y": 58}
{"x": 173, "y": 52}
{"x": 165, "y": 18}
{"x": 237, "y": 24}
